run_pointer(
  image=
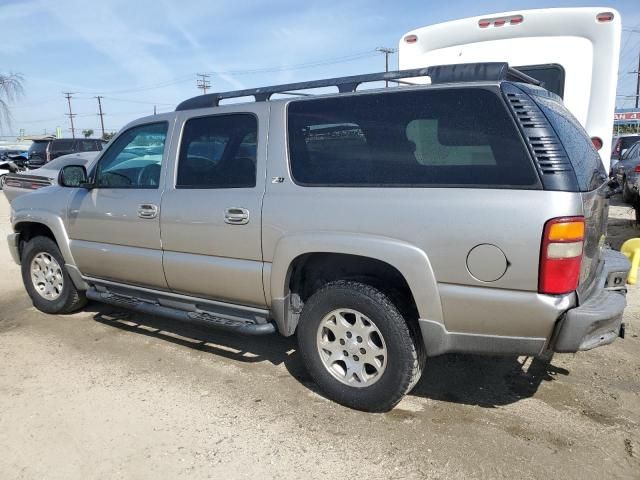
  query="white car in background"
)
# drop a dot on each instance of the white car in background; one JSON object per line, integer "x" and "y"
{"x": 572, "y": 51}
{"x": 15, "y": 184}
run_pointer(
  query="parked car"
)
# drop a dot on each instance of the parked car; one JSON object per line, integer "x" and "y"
{"x": 620, "y": 144}
{"x": 381, "y": 226}
{"x": 37, "y": 153}
{"x": 19, "y": 183}
{"x": 65, "y": 146}
{"x": 46, "y": 150}
{"x": 627, "y": 173}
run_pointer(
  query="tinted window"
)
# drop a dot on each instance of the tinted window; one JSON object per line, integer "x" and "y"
{"x": 38, "y": 148}
{"x": 88, "y": 146}
{"x": 626, "y": 142}
{"x": 134, "y": 159}
{"x": 551, "y": 76}
{"x": 448, "y": 137}
{"x": 218, "y": 152}
{"x": 61, "y": 145}
{"x": 583, "y": 156}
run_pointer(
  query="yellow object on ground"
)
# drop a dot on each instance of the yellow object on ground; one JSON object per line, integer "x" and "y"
{"x": 631, "y": 248}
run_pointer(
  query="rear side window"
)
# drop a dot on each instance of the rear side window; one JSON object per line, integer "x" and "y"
{"x": 443, "y": 137}
{"x": 88, "y": 146}
{"x": 584, "y": 158}
{"x": 551, "y": 75}
{"x": 61, "y": 145}
{"x": 218, "y": 152}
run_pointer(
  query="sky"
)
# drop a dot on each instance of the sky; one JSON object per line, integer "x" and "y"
{"x": 138, "y": 54}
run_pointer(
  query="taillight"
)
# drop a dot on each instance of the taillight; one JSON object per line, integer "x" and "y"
{"x": 411, "y": 38}
{"x": 637, "y": 169}
{"x": 561, "y": 255}
{"x": 597, "y": 142}
{"x": 604, "y": 17}
{"x": 500, "y": 21}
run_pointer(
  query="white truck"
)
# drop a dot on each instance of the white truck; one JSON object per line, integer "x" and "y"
{"x": 573, "y": 51}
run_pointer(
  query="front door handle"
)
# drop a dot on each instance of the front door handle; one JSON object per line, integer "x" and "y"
{"x": 147, "y": 210}
{"x": 236, "y": 216}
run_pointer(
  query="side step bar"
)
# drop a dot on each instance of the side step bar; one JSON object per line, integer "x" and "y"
{"x": 201, "y": 317}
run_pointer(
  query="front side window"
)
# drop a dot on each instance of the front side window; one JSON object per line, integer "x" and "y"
{"x": 134, "y": 160}
{"x": 218, "y": 152}
{"x": 436, "y": 137}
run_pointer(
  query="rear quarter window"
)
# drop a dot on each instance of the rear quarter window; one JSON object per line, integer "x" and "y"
{"x": 61, "y": 145}
{"x": 584, "y": 158}
{"x": 431, "y": 137}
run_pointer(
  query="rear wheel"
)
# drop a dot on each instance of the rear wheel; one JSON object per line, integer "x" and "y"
{"x": 627, "y": 194}
{"x": 357, "y": 346}
{"x": 46, "y": 280}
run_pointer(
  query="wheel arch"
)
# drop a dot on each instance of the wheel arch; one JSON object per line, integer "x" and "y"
{"x": 411, "y": 264}
{"x": 39, "y": 223}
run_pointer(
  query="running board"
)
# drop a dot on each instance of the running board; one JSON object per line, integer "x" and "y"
{"x": 209, "y": 319}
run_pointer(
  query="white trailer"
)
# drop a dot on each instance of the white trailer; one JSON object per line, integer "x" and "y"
{"x": 573, "y": 51}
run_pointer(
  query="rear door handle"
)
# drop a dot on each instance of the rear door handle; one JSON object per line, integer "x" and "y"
{"x": 147, "y": 210}
{"x": 236, "y": 216}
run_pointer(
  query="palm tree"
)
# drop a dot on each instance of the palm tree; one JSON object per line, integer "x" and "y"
{"x": 10, "y": 89}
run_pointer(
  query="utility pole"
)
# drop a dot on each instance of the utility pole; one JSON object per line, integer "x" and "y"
{"x": 67, "y": 95}
{"x": 154, "y": 110}
{"x": 99, "y": 97}
{"x": 638, "y": 81}
{"x": 387, "y": 51}
{"x": 203, "y": 82}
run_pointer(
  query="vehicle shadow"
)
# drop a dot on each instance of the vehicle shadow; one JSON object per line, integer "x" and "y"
{"x": 485, "y": 381}
{"x": 465, "y": 379}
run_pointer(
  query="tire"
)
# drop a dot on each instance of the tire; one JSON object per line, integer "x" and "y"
{"x": 63, "y": 297}
{"x": 377, "y": 386}
{"x": 2, "y": 181}
{"x": 627, "y": 194}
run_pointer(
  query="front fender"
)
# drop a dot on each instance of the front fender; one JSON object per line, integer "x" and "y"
{"x": 409, "y": 260}
{"x": 48, "y": 210}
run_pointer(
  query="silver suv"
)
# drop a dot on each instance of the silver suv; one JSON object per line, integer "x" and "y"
{"x": 381, "y": 227}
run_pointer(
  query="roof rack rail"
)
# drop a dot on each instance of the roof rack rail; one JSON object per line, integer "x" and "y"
{"x": 463, "y": 72}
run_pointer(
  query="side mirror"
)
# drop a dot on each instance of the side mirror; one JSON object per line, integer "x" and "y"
{"x": 73, "y": 176}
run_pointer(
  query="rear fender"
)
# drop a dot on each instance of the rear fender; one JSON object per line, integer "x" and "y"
{"x": 409, "y": 260}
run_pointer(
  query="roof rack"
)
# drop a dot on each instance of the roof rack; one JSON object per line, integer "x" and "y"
{"x": 463, "y": 72}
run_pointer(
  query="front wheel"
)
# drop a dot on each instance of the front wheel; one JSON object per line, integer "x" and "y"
{"x": 46, "y": 280}
{"x": 358, "y": 347}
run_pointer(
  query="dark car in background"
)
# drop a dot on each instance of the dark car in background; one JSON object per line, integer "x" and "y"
{"x": 37, "y": 153}
{"x": 43, "y": 151}
{"x": 620, "y": 144}
{"x": 66, "y": 146}
{"x": 627, "y": 172}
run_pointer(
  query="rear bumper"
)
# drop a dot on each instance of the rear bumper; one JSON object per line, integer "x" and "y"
{"x": 597, "y": 320}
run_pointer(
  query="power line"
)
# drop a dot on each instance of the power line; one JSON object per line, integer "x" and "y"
{"x": 70, "y": 114}
{"x": 203, "y": 82}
